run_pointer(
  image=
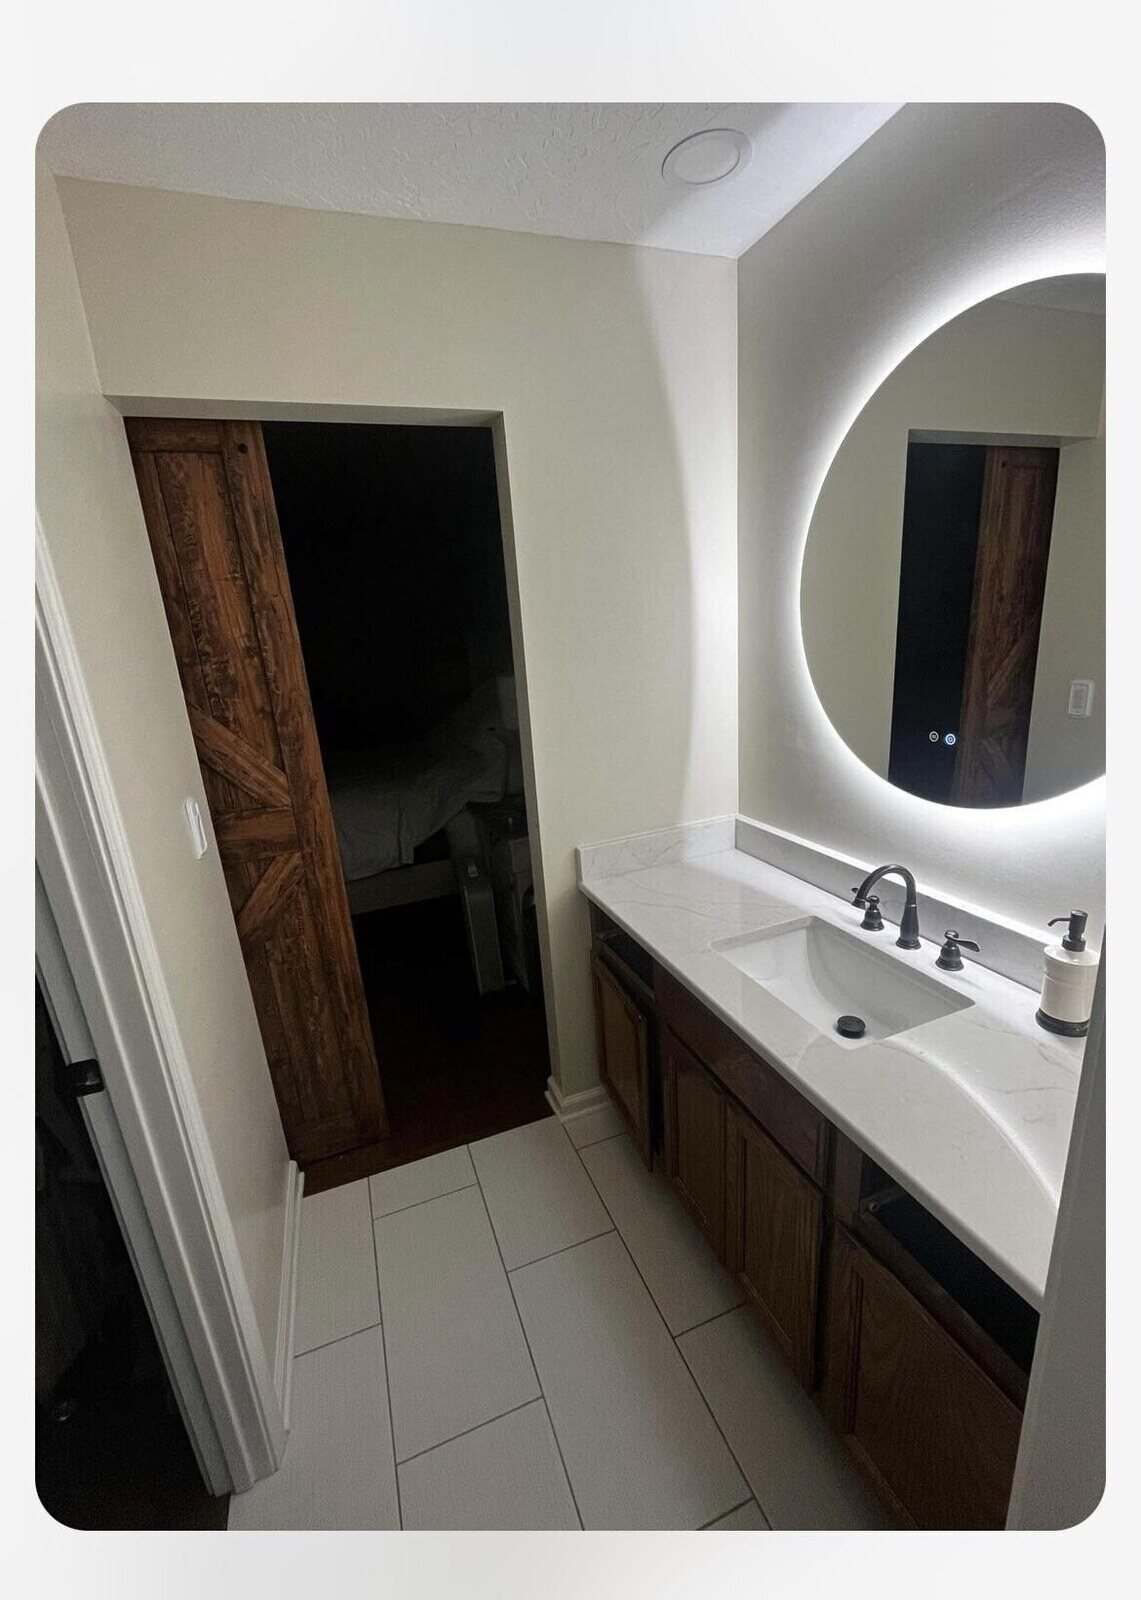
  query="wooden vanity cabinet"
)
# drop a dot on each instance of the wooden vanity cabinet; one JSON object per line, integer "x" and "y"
{"x": 774, "y": 1234}
{"x": 694, "y": 1115}
{"x": 932, "y": 1431}
{"x": 623, "y": 1052}
{"x": 917, "y": 1353}
{"x": 625, "y": 1029}
{"x": 791, "y": 1120}
{"x": 747, "y": 1154}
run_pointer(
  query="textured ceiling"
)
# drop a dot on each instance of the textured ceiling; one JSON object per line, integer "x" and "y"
{"x": 580, "y": 171}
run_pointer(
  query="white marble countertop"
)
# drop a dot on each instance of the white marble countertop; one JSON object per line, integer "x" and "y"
{"x": 971, "y": 1113}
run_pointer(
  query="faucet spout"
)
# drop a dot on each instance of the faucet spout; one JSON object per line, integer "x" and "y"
{"x": 909, "y": 922}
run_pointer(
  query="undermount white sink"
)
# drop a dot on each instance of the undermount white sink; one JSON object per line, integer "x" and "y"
{"x": 823, "y": 973}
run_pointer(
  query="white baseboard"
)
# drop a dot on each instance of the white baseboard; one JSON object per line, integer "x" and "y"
{"x": 287, "y": 1304}
{"x": 568, "y": 1107}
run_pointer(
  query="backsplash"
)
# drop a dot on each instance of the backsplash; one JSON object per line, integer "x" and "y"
{"x": 683, "y": 843}
{"x": 1008, "y": 947}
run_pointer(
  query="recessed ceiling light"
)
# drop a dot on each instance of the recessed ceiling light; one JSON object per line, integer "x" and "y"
{"x": 707, "y": 157}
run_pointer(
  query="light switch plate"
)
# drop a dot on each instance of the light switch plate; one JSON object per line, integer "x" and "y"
{"x": 196, "y": 827}
{"x": 1081, "y": 697}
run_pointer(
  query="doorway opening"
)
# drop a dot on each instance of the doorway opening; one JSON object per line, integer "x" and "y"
{"x": 977, "y": 521}
{"x": 338, "y": 608}
{"x": 394, "y": 551}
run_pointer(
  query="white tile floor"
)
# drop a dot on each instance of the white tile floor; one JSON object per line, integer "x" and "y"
{"x": 531, "y": 1333}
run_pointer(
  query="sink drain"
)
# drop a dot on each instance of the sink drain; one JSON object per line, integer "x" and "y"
{"x": 851, "y": 1027}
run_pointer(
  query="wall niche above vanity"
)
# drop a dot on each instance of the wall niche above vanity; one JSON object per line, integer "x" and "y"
{"x": 953, "y": 586}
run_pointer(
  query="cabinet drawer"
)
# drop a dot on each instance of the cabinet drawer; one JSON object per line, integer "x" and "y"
{"x": 693, "y": 1143}
{"x": 631, "y": 961}
{"x": 792, "y": 1121}
{"x": 935, "y": 1434}
{"x": 624, "y": 1061}
{"x": 774, "y": 1229}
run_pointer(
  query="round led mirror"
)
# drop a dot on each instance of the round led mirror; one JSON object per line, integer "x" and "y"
{"x": 953, "y": 589}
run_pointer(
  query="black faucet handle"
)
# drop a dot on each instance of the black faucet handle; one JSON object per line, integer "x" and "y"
{"x": 949, "y": 958}
{"x": 873, "y": 921}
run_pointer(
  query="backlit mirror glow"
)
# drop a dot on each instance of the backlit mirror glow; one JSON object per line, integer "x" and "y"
{"x": 953, "y": 588}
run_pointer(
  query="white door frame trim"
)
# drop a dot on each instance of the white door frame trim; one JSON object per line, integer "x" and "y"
{"x": 85, "y": 863}
{"x": 74, "y": 1039}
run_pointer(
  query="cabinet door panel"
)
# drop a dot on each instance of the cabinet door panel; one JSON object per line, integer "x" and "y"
{"x": 933, "y": 1431}
{"x": 623, "y": 1052}
{"x": 774, "y": 1226}
{"x": 694, "y": 1107}
{"x": 800, "y": 1130}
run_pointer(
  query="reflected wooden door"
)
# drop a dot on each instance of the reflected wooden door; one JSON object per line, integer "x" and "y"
{"x": 1015, "y": 520}
{"x": 208, "y": 504}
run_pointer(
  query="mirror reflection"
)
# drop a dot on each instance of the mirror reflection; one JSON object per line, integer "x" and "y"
{"x": 953, "y": 589}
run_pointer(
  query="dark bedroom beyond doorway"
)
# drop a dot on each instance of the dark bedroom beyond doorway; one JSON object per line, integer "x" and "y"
{"x": 394, "y": 549}
{"x": 458, "y": 1066}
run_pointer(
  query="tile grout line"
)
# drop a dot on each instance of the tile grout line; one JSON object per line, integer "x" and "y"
{"x": 743, "y": 1304}
{"x": 653, "y": 1170}
{"x": 591, "y": 1181}
{"x": 387, "y": 1376}
{"x": 507, "y": 1275}
{"x": 673, "y": 1339}
{"x": 475, "y": 1184}
{"x": 562, "y": 1250}
{"x": 373, "y": 1221}
{"x": 427, "y": 1201}
{"x": 378, "y": 1216}
{"x": 705, "y": 1321}
{"x": 625, "y": 1246}
{"x": 558, "y": 1447}
{"x": 527, "y": 1342}
{"x": 312, "y": 1349}
{"x": 531, "y": 1260}
{"x": 745, "y": 1478}
{"x": 705, "y": 1526}
{"x": 590, "y": 1143}
{"x": 614, "y": 1228}
{"x": 475, "y": 1427}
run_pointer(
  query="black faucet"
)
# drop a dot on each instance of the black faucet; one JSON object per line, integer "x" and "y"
{"x": 909, "y": 922}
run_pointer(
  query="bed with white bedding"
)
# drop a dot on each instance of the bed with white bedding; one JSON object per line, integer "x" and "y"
{"x": 388, "y": 801}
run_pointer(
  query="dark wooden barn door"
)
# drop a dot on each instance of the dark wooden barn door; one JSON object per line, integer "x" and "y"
{"x": 1015, "y": 519}
{"x": 209, "y": 509}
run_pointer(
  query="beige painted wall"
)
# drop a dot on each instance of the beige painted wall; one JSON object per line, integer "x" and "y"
{"x": 1000, "y": 368}
{"x": 614, "y": 369}
{"x": 945, "y": 207}
{"x": 93, "y": 527}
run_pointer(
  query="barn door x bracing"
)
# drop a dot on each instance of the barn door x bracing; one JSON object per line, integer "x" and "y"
{"x": 208, "y": 504}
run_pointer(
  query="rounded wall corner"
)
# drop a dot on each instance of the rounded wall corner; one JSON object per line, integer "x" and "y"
{"x": 1080, "y": 1521}
{"x": 50, "y": 125}
{"x": 1095, "y": 1510}
{"x": 1085, "y": 118}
